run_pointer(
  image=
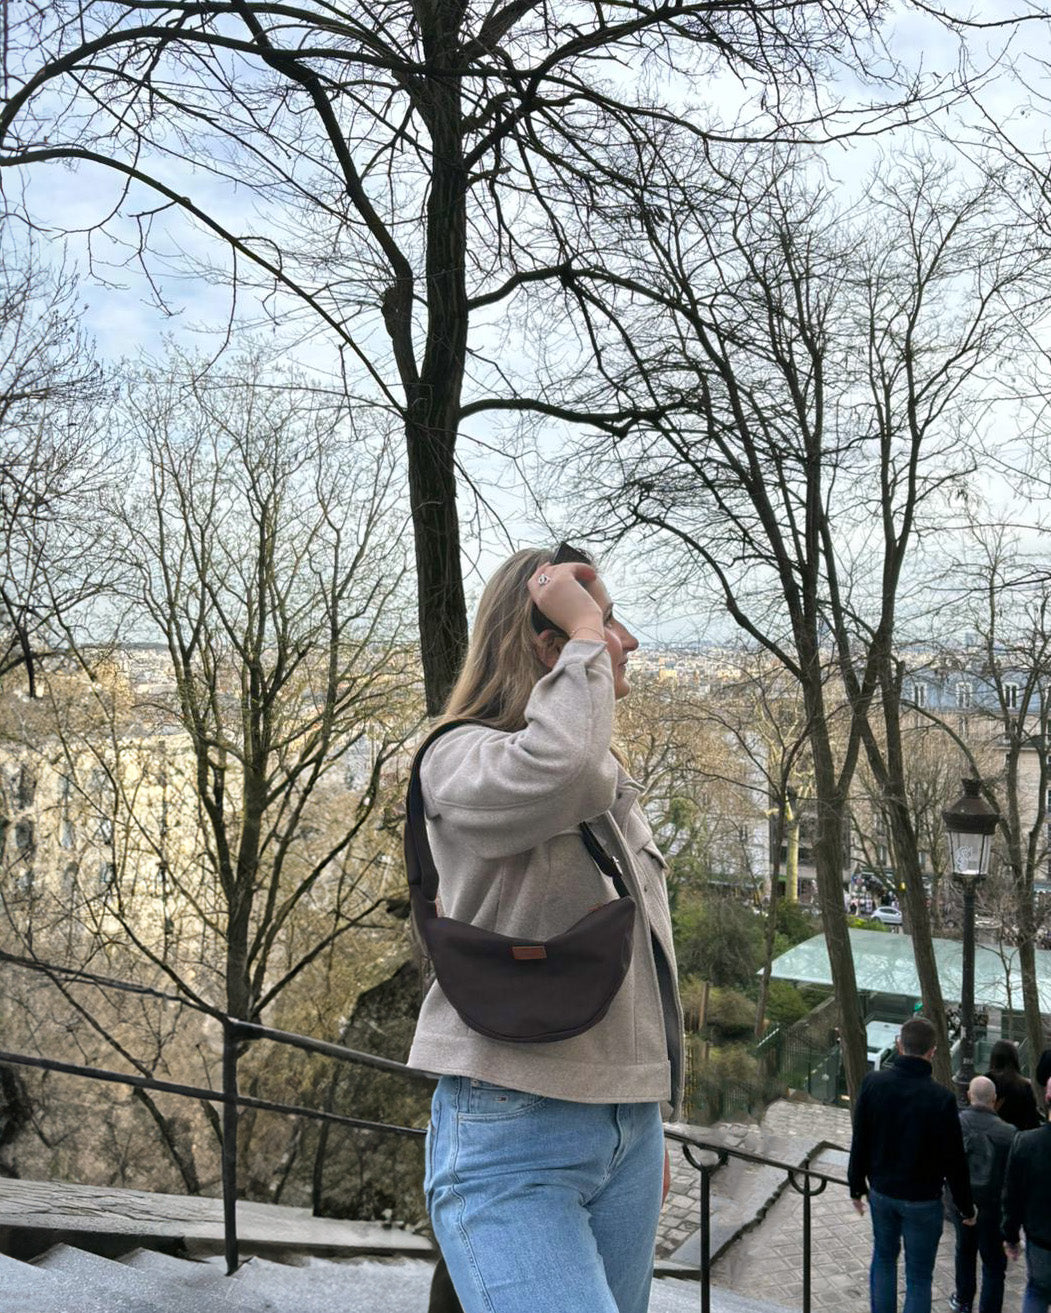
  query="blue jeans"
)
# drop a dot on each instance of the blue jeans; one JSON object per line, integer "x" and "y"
{"x": 984, "y": 1238}
{"x": 1037, "y": 1296}
{"x": 541, "y": 1204}
{"x": 919, "y": 1224}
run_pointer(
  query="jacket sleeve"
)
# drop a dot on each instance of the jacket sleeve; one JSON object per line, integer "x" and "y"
{"x": 957, "y": 1175}
{"x": 507, "y": 792}
{"x": 857, "y": 1168}
{"x": 1012, "y": 1200}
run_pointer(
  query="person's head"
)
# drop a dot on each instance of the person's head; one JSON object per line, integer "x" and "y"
{"x": 508, "y": 653}
{"x": 981, "y": 1093}
{"x": 1047, "y": 1094}
{"x": 1004, "y": 1057}
{"x": 917, "y": 1038}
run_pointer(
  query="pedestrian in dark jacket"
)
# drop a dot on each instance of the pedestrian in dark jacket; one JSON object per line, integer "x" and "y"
{"x": 1027, "y": 1203}
{"x": 987, "y": 1142}
{"x": 1017, "y": 1102}
{"x": 1043, "y": 1069}
{"x": 906, "y": 1145}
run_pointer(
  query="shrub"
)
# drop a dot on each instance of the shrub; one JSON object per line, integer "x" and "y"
{"x": 863, "y": 923}
{"x": 730, "y": 1013}
{"x": 785, "y": 1004}
{"x": 718, "y": 939}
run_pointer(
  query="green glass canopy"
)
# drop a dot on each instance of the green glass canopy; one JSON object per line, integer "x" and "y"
{"x": 884, "y": 965}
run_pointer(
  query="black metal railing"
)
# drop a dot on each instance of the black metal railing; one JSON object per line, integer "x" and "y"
{"x": 805, "y": 1180}
{"x": 705, "y": 1155}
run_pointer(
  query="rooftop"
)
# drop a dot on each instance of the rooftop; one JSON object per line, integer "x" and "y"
{"x": 884, "y": 965}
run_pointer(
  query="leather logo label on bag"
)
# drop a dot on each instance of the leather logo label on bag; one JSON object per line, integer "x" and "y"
{"x": 528, "y": 952}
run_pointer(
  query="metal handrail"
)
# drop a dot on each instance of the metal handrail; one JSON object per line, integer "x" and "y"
{"x": 814, "y": 1181}
{"x": 721, "y": 1152}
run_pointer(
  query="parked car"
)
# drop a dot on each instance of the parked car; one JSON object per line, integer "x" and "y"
{"x": 888, "y": 915}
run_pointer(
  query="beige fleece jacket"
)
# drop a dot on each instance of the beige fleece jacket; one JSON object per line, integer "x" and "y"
{"x": 502, "y": 814}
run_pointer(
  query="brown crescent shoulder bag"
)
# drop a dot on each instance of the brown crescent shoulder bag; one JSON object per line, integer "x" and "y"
{"x": 523, "y": 991}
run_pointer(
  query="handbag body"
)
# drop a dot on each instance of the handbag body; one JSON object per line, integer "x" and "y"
{"x": 511, "y": 988}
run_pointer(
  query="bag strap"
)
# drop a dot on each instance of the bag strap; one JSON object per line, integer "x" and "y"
{"x": 420, "y": 869}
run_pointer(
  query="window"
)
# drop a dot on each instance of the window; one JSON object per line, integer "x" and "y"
{"x": 67, "y": 834}
{"x": 1010, "y": 697}
{"x": 919, "y": 694}
{"x": 104, "y": 830}
{"x": 107, "y": 875}
{"x": 65, "y": 788}
{"x": 964, "y": 693}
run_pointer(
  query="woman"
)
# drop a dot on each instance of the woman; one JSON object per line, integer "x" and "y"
{"x": 544, "y": 1161}
{"x": 1016, "y": 1102}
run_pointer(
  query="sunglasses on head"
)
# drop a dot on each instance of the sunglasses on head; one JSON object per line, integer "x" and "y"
{"x": 562, "y": 556}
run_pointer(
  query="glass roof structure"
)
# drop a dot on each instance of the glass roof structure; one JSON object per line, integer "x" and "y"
{"x": 884, "y": 965}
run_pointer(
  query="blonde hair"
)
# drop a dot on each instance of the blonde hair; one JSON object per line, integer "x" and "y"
{"x": 502, "y": 663}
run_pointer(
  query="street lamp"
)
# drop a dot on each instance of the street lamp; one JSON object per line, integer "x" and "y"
{"x": 970, "y": 823}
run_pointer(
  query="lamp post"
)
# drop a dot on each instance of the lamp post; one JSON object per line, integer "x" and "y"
{"x": 970, "y": 823}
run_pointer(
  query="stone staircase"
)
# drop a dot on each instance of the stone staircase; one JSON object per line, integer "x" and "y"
{"x": 70, "y": 1280}
{"x": 742, "y": 1193}
{"x": 78, "y": 1249}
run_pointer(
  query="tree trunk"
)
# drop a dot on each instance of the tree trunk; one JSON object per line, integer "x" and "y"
{"x": 1034, "y": 1025}
{"x": 440, "y": 600}
{"x": 918, "y": 925}
{"x": 840, "y": 958}
{"x": 771, "y": 921}
{"x": 434, "y": 404}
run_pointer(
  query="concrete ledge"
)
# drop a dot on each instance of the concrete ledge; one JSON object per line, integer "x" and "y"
{"x": 35, "y": 1215}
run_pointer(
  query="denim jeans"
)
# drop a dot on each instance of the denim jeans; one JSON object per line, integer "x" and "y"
{"x": 919, "y": 1224}
{"x": 1037, "y": 1298}
{"x": 984, "y": 1238}
{"x": 542, "y": 1204}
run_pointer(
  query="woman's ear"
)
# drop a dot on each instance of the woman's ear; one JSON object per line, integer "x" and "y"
{"x": 548, "y": 646}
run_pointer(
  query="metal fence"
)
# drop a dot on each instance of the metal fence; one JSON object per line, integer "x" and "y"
{"x": 705, "y": 1154}
{"x": 800, "y": 1063}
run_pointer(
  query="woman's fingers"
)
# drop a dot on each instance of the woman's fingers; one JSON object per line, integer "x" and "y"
{"x": 560, "y": 591}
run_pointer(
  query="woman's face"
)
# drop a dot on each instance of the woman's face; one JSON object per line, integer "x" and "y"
{"x": 619, "y": 639}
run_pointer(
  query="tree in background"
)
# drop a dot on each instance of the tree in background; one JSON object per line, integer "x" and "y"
{"x": 799, "y": 378}
{"x": 420, "y": 171}
{"x": 1002, "y": 594}
{"x": 54, "y": 462}
{"x": 212, "y": 817}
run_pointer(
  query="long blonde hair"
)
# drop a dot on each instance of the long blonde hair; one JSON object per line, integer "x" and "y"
{"x": 502, "y": 663}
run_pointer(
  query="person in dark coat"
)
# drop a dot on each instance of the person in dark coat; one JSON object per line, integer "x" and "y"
{"x": 987, "y": 1142}
{"x": 907, "y": 1144}
{"x": 1017, "y": 1102}
{"x": 1027, "y": 1204}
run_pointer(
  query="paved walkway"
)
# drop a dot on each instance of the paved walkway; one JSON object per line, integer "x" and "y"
{"x": 767, "y": 1263}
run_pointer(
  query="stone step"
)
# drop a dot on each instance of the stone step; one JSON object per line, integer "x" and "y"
{"x": 25, "y": 1288}
{"x": 148, "y": 1286}
{"x": 207, "y": 1275}
{"x": 71, "y": 1281}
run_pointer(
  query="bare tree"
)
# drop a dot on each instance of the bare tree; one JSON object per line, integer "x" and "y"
{"x": 799, "y": 380}
{"x": 420, "y": 169}
{"x": 201, "y": 801}
{"x": 53, "y": 461}
{"x": 1003, "y": 596}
